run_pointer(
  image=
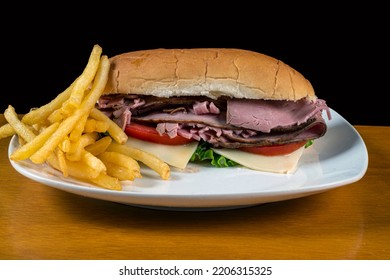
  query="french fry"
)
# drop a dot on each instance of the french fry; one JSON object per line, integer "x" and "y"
{"x": 25, "y": 151}
{"x": 83, "y": 81}
{"x": 114, "y": 130}
{"x": 148, "y": 159}
{"x": 121, "y": 160}
{"x": 94, "y": 125}
{"x": 108, "y": 182}
{"x": 63, "y": 166}
{"x": 69, "y": 123}
{"x": 6, "y": 130}
{"x": 20, "y": 128}
{"x": 42, "y": 113}
{"x": 99, "y": 146}
{"x": 55, "y": 139}
{"x": 76, "y": 148}
{"x": 65, "y": 145}
{"x": 77, "y": 169}
{"x": 78, "y": 129}
{"x": 56, "y": 116}
{"x": 93, "y": 162}
{"x": 121, "y": 172}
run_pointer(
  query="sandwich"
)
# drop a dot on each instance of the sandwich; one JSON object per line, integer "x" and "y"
{"x": 218, "y": 106}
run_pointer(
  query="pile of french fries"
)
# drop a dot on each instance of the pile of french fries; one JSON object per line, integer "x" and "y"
{"x": 77, "y": 139}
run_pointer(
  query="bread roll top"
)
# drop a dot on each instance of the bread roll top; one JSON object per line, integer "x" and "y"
{"x": 211, "y": 72}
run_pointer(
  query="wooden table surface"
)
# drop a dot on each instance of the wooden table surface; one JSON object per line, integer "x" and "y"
{"x": 349, "y": 222}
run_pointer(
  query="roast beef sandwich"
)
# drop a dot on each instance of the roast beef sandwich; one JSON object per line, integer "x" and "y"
{"x": 225, "y": 106}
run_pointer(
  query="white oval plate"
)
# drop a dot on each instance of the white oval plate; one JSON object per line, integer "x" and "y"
{"x": 338, "y": 158}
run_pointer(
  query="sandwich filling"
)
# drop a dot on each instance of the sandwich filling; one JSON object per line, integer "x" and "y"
{"x": 224, "y": 122}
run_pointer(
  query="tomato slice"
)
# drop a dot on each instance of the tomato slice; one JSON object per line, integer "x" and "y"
{"x": 148, "y": 133}
{"x": 275, "y": 150}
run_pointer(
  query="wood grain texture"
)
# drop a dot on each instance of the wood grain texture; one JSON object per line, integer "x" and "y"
{"x": 350, "y": 222}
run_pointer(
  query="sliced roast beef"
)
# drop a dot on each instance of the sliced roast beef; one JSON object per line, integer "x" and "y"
{"x": 316, "y": 128}
{"x": 229, "y": 123}
{"x": 265, "y": 115}
{"x": 155, "y": 104}
{"x": 214, "y": 120}
{"x": 235, "y": 138}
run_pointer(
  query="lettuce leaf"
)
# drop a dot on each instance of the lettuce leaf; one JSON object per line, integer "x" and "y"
{"x": 205, "y": 153}
{"x": 309, "y": 143}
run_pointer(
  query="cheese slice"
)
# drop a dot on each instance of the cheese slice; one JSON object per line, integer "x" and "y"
{"x": 179, "y": 156}
{"x": 276, "y": 164}
{"x": 174, "y": 155}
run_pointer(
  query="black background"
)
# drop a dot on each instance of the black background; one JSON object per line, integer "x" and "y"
{"x": 342, "y": 52}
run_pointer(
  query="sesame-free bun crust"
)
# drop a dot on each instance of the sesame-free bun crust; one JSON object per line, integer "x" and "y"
{"x": 211, "y": 72}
